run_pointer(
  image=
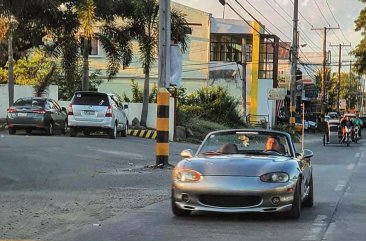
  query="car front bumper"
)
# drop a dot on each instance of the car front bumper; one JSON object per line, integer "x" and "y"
{"x": 189, "y": 196}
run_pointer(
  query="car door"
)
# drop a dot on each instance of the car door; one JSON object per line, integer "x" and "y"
{"x": 61, "y": 115}
{"x": 117, "y": 112}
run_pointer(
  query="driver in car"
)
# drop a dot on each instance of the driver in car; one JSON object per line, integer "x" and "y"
{"x": 273, "y": 144}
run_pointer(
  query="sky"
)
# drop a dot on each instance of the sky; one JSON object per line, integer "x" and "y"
{"x": 278, "y": 15}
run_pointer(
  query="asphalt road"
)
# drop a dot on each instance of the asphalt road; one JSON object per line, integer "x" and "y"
{"x": 62, "y": 188}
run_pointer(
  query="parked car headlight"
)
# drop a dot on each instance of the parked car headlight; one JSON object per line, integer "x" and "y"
{"x": 187, "y": 175}
{"x": 275, "y": 177}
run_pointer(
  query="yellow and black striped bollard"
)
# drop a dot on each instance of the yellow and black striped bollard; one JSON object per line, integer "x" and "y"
{"x": 162, "y": 127}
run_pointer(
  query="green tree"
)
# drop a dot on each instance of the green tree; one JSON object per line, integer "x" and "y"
{"x": 142, "y": 25}
{"x": 360, "y": 51}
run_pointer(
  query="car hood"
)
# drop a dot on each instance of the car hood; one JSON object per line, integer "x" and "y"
{"x": 236, "y": 165}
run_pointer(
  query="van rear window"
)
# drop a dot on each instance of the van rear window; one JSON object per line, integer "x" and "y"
{"x": 90, "y": 99}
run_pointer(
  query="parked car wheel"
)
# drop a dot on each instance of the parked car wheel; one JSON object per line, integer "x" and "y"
{"x": 113, "y": 132}
{"x": 86, "y": 133}
{"x": 125, "y": 131}
{"x": 12, "y": 131}
{"x": 72, "y": 131}
{"x": 49, "y": 129}
{"x": 64, "y": 130}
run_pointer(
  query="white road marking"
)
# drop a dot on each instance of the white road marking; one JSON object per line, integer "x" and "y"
{"x": 357, "y": 155}
{"x": 351, "y": 166}
{"x": 121, "y": 153}
{"x": 317, "y": 228}
{"x": 340, "y": 186}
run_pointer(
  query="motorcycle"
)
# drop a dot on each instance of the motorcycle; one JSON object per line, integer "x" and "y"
{"x": 348, "y": 135}
{"x": 356, "y": 135}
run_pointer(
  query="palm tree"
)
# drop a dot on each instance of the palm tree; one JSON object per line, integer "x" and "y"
{"x": 143, "y": 25}
{"x": 87, "y": 19}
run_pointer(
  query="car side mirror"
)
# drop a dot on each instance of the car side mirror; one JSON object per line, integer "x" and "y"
{"x": 125, "y": 106}
{"x": 63, "y": 109}
{"x": 305, "y": 155}
{"x": 188, "y": 153}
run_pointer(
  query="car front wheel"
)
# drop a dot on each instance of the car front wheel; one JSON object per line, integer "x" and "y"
{"x": 295, "y": 211}
{"x": 309, "y": 202}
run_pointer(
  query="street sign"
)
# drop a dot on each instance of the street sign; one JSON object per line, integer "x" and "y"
{"x": 277, "y": 93}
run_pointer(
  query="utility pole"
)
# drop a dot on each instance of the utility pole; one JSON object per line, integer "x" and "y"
{"x": 244, "y": 77}
{"x": 339, "y": 69}
{"x": 294, "y": 50}
{"x": 325, "y": 29}
{"x": 349, "y": 85}
{"x": 163, "y": 96}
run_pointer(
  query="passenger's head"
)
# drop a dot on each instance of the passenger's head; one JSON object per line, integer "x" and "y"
{"x": 272, "y": 143}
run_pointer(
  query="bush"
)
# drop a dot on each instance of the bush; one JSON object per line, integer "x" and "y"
{"x": 201, "y": 128}
{"x": 215, "y": 105}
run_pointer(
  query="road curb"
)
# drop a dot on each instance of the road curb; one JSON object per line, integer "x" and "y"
{"x": 148, "y": 134}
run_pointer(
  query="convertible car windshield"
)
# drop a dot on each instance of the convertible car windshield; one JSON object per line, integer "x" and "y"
{"x": 237, "y": 142}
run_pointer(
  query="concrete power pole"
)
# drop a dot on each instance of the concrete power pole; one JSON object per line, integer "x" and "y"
{"x": 163, "y": 96}
{"x": 294, "y": 50}
{"x": 339, "y": 69}
{"x": 244, "y": 77}
{"x": 325, "y": 29}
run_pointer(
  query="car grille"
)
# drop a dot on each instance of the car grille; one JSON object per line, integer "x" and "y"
{"x": 229, "y": 201}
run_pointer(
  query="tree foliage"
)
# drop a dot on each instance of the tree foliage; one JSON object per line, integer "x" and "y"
{"x": 360, "y": 51}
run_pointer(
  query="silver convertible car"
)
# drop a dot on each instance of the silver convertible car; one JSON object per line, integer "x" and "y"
{"x": 243, "y": 171}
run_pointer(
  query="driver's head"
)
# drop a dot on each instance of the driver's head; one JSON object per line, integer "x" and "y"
{"x": 272, "y": 143}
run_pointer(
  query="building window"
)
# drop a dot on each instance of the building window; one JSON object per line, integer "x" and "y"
{"x": 266, "y": 54}
{"x": 228, "y": 48}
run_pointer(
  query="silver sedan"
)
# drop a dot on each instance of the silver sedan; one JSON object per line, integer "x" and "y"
{"x": 243, "y": 171}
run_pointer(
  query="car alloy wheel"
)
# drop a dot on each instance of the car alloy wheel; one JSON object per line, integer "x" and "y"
{"x": 49, "y": 130}
{"x": 113, "y": 132}
{"x": 309, "y": 202}
{"x": 64, "y": 130}
{"x": 125, "y": 131}
{"x": 295, "y": 211}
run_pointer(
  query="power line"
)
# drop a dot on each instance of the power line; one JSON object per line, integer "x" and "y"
{"x": 321, "y": 12}
{"x": 305, "y": 35}
{"x": 330, "y": 9}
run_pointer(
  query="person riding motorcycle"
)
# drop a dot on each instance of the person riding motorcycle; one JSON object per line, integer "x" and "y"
{"x": 345, "y": 121}
{"x": 358, "y": 122}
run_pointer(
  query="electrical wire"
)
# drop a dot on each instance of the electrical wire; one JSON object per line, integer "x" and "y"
{"x": 321, "y": 12}
{"x": 330, "y": 9}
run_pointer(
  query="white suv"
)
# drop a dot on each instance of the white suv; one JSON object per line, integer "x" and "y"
{"x": 94, "y": 111}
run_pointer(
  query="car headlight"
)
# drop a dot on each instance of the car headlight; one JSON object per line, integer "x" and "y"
{"x": 187, "y": 175}
{"x": 275, "y": 177}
